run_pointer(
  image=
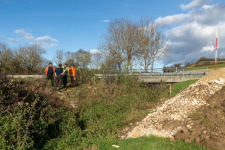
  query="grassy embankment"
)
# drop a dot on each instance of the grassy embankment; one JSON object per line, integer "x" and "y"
{"x": 210, "y": 63}
{"x": 180, "y": 86}
{"x": 32, "y": 116}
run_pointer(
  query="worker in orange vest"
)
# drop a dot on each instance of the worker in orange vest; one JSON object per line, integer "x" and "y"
{"x": 50, "y": 72}
{"x": 72, "y": 72}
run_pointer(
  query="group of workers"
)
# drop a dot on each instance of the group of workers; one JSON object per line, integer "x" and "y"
{"x": 61, "y": 73}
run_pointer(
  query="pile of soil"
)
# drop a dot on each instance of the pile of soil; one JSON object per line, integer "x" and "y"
{"x": 208, "y": 128}
{"x": 195, "y": 114}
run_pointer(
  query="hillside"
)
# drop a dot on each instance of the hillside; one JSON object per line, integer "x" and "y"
{"x": 195, "y": 114}
{"x": 208, "y": 62}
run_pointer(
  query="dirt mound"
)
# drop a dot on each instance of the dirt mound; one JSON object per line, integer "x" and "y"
{"x": 195, "y": 114}
{"x": 208, "y": 123}
{"x": 213, "y": 75}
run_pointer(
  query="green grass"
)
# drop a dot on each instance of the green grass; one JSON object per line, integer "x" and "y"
{"x": 195, "y": 115}
{"x": 178, "y": 87}
{"x": 213, "y": 66}
{"x": 205, "y": 122}
{"x": 154, "y": 143}
{"x": 105, "y": 109}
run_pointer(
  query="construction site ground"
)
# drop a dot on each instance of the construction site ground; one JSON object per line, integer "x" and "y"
{"x": 195, "y": 114}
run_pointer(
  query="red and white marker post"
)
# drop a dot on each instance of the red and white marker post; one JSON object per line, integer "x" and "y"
{"x": 216, "y": 48}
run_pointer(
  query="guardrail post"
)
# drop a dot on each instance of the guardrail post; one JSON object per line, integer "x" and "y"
{"x": 176, "y": 71}
{"x": 183, "y": 72}
{"x": 139, "y": 73}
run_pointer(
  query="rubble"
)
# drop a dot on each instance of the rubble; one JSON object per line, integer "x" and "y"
{"x": 169, "y": 117}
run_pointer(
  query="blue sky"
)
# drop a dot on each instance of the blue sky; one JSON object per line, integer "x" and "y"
{"x": 189, "y": 25}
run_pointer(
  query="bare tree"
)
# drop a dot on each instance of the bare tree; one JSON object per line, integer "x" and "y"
{"x": 6, "y": 57}
{"x": 30, "y": 56}
{"x": 112, "y": 45}
{"x": 159, "y": 48}
{"x": 82, "y": 58}
{"x": 120, "y": 41}
{"x": 109, "y": 63}
{"x": 129, "y": 40}
{"x": 96, "y": 59}
{"x": 70, "y": 58}
{"x": 59, "y": 56}
{"x": 151, "y": 43}
{"x": 5, "y": 54}
{"x": 145, "y": 39}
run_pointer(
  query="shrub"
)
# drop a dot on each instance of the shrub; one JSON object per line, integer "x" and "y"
{"x": 33, "y": 118}
{"x": 29, "y": 115}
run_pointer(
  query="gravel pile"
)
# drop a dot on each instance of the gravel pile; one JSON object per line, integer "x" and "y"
{"x": 168, "y": 119}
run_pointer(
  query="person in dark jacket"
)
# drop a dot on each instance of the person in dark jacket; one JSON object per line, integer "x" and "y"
{"x": 58, "y": 76}
{"x": 65, "y": 75}
{"x": 50, "y": 72}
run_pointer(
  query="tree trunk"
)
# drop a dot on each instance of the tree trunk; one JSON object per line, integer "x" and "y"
{"x": 152, "y": 67}
{"x": 119, "y": 66}
{"x": 146, "y": 66}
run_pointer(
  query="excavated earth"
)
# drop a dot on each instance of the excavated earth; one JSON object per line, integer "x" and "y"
{"x": 196, "y": 114}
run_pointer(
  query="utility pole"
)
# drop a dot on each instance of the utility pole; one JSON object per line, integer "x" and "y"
{"x": 216, "y": 48}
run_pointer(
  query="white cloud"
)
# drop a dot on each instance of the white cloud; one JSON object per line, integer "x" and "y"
{"x": 46, "y": 38}
{"x": 192, "y": 41}
{"x": 105, "y": 21}
{"x": 8, "y": 39}
{"x": 195, "y": 3}
{"x": 45, "y": 41}
{"x": 208, "y": 48}
{"x": 192, "y": 35}
{"x": 174, "y": 19}
{"x": 207, "y": 14}
{"x": 207, "y": 7}
{"x": 94, "y": 51}
{"x": 26, "y": 35}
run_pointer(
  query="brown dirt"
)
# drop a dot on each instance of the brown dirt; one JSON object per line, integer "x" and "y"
{"x": 213, "y": 75}
{"x": 196, "y": 114}
{"x": 208, "y": 127}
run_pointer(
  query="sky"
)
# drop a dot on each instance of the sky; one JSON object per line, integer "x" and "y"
{"x": 189, "y": 26}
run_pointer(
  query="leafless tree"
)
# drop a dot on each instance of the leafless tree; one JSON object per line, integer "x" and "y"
{"x": 59, "y": 56}
{"x": 128, "y": 41}
{"x": 120, "y": 41}
{"x": 151, "y": 43}
{"x": 109, "y": 63}
{"x": 6, "y": 57}
{"x": 159, "y": 48}
{"x": 145, "y": 39}
{"x": 30, "y": 56}
{"x": 96, "y": 59}
{"x": 111, "y": 44}
{"x": 80, "y": 59}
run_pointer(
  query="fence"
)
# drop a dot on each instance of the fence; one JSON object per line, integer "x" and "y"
{"x": 160, "y": 72}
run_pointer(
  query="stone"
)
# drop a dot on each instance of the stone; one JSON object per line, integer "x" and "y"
{"x": 116, "y": 146}
{"x": 177, "y": 109}
{"x": 187, "y": 140}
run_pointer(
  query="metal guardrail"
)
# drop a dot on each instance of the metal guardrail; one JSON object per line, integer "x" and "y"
{"x": 160, "y": 72}
{"x": 27, "y": 76}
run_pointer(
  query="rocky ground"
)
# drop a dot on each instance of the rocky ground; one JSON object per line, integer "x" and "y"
{"x": 69, "y": 96}
{"x": 196, "y": 114}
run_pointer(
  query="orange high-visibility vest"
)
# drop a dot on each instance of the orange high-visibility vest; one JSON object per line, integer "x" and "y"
{"x": 46, "y": 70}
{"x": 72, "y": 71}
